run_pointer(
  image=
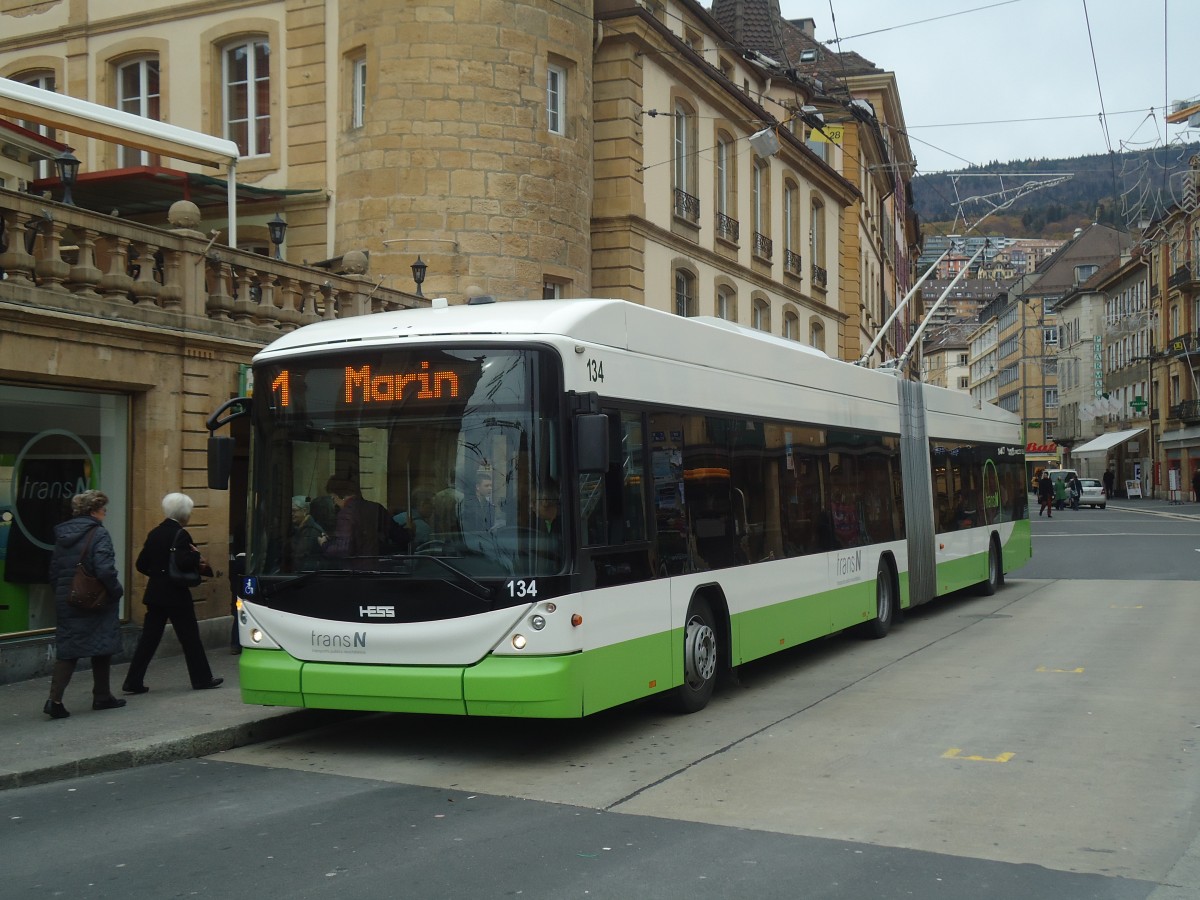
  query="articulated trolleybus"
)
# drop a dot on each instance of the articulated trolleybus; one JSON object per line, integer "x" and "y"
{"x": 550, "y": 508}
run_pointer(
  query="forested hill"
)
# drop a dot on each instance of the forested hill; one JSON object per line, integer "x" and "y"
{"x": 1124, "y": 187}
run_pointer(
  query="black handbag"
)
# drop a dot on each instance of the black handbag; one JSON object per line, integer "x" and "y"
{"x": 177, "y": 575}
{"x": 88, "y": 593}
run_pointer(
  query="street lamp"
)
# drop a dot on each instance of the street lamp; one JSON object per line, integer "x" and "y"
{"x": 418, "y": 269}
{"x": 277, "y": 228}
{"x": 68, "y": 171}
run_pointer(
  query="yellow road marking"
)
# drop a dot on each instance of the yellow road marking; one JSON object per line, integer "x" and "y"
{"x": 1078, "y": 671}
{"x": 953, "y": 753}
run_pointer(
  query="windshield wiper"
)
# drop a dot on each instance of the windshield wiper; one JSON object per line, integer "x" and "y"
{"x": 477, "y": 590}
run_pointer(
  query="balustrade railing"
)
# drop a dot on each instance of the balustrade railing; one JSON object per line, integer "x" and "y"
{"x": 72, "y": 259}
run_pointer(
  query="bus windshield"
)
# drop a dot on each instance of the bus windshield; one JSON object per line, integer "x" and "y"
{"x": 430, "y": 459}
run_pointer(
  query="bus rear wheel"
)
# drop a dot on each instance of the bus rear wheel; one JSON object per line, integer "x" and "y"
{"x": 885, "y": 602}
{"x": 995, "y": 570}
{"x": 701, "y": 655}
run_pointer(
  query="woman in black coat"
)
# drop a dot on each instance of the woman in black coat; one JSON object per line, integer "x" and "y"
{"x": 167, "y": 601}
{"x": 78, "y": 633}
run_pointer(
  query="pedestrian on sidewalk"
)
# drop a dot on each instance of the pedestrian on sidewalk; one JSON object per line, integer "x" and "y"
{"x": 1045, "y": 491}
{"x": 1196, "y": 485}
{"x": 1110, "y": 481}
{"x": 79, "y": 633}
{"x": 169, "y": 601}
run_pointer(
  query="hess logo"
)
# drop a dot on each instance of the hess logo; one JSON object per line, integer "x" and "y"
{"x": 377, "y": 612}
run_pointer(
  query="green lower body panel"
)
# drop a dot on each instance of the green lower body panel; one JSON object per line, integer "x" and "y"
{"x": 533, "y": 687}
{"x": 760, "y": 632}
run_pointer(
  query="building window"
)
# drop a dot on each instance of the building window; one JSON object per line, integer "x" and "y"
{"x": 556, "y": 100}
{"x": 791, "y": 326}
{"x": 760, "y": 201}
{"x": 816, "y": 242}
{"x": 816, "y": 336}
{"x": 687, "y": 205}
{"x": 761, "y": 315}
{"x": 44, "y": 80}
{"x": 137, "y": 93}
{"x": 358, "y": 100}
{"x": 726, "y": 189}
{"x": 552, "y": 289}
{"x": 817, "y": 145}
{"x": 791, "y": 228}
{"x": 246, "y": 79}
{"x": 726, "y": 304}
{"x": 685, "y": 293}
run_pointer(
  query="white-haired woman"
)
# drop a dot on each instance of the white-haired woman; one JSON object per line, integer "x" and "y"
{"x": 167, "y": 601}
{"x": 77, "y": 633}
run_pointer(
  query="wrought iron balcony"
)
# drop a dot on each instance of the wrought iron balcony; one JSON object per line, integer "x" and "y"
{"x": 820, "y": 278}
{"x": 728, "y": 229}
{"x": 687, "y": 207}
{"x": 793, "y": 263}
{"x": 1188, "y": 411}
{"x": 1183, "y": 279}
{"x": 763, "y": 246}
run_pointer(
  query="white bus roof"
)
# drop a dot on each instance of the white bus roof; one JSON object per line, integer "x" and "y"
{"x": 701, "y": 341}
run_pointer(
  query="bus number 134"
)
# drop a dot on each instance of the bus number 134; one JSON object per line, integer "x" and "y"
{"x": 595, "y": 369}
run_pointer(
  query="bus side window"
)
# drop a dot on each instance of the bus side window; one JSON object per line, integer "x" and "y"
{"x": 612, "y": 506}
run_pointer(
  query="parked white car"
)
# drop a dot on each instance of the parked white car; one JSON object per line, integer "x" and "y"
{"x": 1093, "y": 493}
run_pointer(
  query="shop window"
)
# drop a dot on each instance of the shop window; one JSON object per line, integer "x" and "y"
{"x": 53, "y": 445}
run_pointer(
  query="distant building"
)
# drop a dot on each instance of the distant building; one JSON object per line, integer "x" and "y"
{"x": 946, "y": 357}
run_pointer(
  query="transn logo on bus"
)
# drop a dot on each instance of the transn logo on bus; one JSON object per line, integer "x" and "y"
{"x": 847, "y": 566}
{"x": 355, "y": 641}
{"x": 377, "y": 612}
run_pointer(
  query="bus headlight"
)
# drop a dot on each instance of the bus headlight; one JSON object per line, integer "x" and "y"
{"x": 256, "y": 635}
{"x": 518, "y": 641}
{"x": 537, "y": 623}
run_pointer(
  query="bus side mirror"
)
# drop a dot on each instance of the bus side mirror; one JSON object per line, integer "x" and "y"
{"x": 220, "y": 462}
{"x": 591, "y": 442}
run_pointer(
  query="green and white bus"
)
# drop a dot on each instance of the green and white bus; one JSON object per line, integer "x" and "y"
{"x": 549, "y": 508}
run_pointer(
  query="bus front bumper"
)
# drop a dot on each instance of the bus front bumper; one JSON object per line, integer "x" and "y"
{"x": 546, "y": 687}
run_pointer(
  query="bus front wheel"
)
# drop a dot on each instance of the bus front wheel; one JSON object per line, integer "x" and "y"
{"x": 700, "y": 659}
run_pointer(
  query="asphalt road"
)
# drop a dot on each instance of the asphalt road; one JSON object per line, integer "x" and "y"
{"x": 1039, "y": 743}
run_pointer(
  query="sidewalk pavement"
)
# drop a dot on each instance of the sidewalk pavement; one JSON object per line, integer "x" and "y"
{"x": 171, "y": 722}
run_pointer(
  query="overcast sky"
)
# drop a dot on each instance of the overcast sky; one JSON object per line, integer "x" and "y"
{"x": 1005, "y": 60}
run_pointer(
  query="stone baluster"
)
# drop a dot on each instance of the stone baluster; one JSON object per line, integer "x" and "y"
{"x": 16, "y": 261}
{"x": 330, "y": 309}
{"x": 266, "y": 313}
{"x": 291, "y": 300}
{"x": 170, "y": 296}
{"x": 220, "y": 300}
{"x": 116, "y": 283}
{"x": 308, "y": 306}
{"x": 51, "y": 269}
{"x": 85, "y": 274}
{"x": 145, "y": 289}
{"x": 244, "y": 304}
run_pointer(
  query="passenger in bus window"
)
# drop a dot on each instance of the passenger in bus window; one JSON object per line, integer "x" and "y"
{"x": 548, "y": 525}
{"x": 358, "y": 526}
{"x": 478, "y": 511}
{"x": 305, "y": 544}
